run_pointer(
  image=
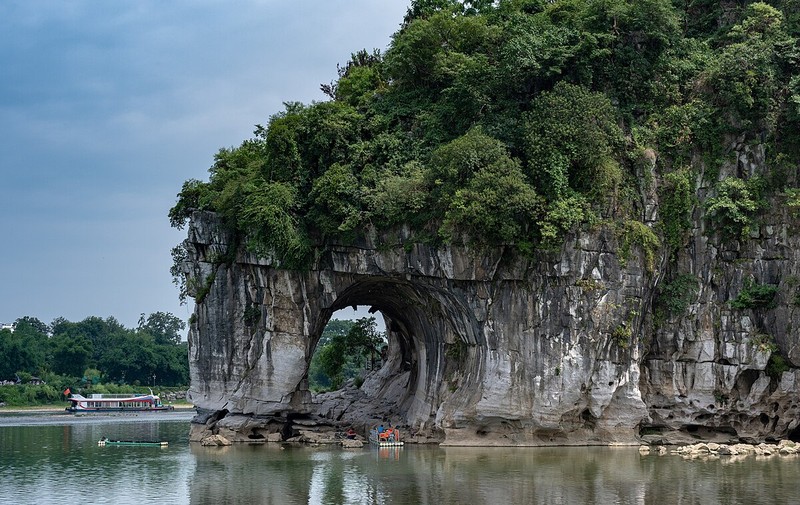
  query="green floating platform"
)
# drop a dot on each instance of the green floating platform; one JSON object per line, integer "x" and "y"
{"x": 104, "y": 442}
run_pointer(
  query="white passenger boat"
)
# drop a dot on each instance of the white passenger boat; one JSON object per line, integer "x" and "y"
{"x": 116, "y": 403}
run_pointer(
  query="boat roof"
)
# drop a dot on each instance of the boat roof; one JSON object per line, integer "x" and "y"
{"x": 111, "y": 398}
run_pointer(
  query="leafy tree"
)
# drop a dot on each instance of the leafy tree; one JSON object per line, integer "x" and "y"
{"x": 535, "y": 53}
{"x": 561, "y": 216}
{"x": 104, "y": 345}
{"x": 336, "y": 199}
{"x": 231, "y": 177}
{"x": 99, "y": 332}
{"x": 676, "y": 206}
{"x": 363, "y": 340}
{"x": 336, "y": 329}
{"x": 705, "y": 17}
{"x": 342, "y": 356}
{"x": 194, "y": 195}
{"x": 281, "y": 138}
{"x": 755, "y": 296}
{"x": 454, "y": 164}
{"x": 747, "y": 76}
{"x": 131, "y": 359}
{"x": 72, "y": 354}
{"x": 631, "y": 38}
{"x": 734, "y": 207}
{"x": 421, "y": 53}
{"x": 423, "y": 9}
{"x": 329, "y": 129}
{"x": 496, "y": 206}
{"x": 397, "y": 197}
{"x": 276, "y": 229}
{"x": 163, "y": 326}
{"x": 172, "y": 364}
{"x": 29, "y": 347}
{"x": 7, "y": 354}
{"x": 359, "y": 81}
{"x": 30, "y": 326}
{"x": 179, "y": 258}
{"x": 678, "y": 130}
{"x": 572, "y": 138}
{"x": 93, "y": 376}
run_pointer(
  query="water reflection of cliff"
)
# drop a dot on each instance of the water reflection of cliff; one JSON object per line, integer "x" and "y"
{"x": 49, "y": 464}
{"x": 269, "y": 474}
{"x": 437, "y": 476}
{"x": 250, "y": 474}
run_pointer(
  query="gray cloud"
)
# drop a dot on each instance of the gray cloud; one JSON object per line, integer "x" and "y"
{"x": 107, "y": 107}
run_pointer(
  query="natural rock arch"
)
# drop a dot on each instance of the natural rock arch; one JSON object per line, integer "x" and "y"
{"x": 488, "y": 349}
{"x": 484, "y": 350}
{"x": 434, "y": 342}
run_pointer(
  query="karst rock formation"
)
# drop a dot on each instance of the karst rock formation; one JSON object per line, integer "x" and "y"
{"x": 489, "y": 348}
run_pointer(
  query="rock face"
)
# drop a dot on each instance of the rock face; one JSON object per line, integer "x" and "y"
{"x": 486, "y": 349}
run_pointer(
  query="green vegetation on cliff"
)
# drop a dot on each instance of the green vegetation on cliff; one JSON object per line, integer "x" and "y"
{"x": 512, "y": 122}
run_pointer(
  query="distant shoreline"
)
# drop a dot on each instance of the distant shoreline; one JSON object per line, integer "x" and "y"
{"x": 50, "y": 416}
{"x": 49, "y": 409}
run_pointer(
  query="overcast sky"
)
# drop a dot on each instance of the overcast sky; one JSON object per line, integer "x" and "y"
{"x": 106, "y": 107}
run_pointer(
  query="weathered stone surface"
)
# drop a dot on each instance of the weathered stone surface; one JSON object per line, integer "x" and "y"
{"x": 493, "y": 350}
{"x": 480, "y": 351}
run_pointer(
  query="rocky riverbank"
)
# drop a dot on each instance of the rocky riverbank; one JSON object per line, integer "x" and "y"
{"x": 715, "y": 450}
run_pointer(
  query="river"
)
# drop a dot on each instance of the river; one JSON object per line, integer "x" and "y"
{"x": 55, "y": 459}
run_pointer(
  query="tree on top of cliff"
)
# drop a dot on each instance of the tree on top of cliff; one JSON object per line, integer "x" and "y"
{"x": 512, "y": 122}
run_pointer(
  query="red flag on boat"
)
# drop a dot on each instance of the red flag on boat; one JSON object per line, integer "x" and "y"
{"x": 67, "y": 392}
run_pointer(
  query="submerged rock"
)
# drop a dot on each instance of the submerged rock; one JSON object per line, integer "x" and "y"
{"x": 352, "y": 444}
{"x": 215, "y": 440}
{"x": 784, "y": 448}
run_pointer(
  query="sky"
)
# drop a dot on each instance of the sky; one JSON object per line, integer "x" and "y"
{"x": 107, "y": 107}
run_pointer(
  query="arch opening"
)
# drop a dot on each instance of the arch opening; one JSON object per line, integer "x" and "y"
{"x": 418, "y": 370}
{"x": 352, "y": 345}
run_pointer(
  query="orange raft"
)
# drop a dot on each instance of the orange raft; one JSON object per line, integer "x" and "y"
{"x": 385, "y": 437}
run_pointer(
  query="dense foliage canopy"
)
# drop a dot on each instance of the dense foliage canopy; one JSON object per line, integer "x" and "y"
{"x": 511, "y": 122}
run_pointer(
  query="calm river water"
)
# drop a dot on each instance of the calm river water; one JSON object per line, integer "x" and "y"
{"x": 55, "y": 459}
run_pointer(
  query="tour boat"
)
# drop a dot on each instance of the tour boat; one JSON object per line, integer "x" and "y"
{"x": 116, "y": 403}
{"x": 385, "y": 437}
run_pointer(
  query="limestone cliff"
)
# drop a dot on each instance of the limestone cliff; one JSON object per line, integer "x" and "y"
{"x": 491, "y": 349}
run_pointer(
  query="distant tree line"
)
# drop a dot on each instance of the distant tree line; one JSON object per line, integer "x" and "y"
{"x": 95, "y": 351}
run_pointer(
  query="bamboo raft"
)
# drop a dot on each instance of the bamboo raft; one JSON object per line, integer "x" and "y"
{"x": 104, "y": 442}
